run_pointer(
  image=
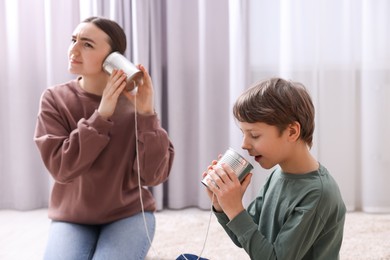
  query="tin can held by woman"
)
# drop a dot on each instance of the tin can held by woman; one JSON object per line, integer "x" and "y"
{"x": 117, "y": 61}
{"x": 240, "y": 166}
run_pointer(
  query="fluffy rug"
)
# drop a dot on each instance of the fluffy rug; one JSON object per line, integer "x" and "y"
{"x": 366, "y": 237}
{"x": 23, "y": 236}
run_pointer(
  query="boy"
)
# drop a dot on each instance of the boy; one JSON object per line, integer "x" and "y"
{"x": 299, "y": 213}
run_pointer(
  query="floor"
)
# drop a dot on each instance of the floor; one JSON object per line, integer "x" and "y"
{"x": 23, "y": 236}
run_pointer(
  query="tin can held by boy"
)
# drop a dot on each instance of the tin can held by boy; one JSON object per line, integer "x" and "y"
{"x": 240, "y": 166}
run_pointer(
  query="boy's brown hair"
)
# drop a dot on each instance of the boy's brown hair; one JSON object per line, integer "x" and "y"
{"x": 277, "y": 102}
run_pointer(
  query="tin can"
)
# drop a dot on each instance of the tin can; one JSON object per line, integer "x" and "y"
{"x": 240, "y": 166}
{"x": 117, "y": 61}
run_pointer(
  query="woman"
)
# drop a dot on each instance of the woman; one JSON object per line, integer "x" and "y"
{"x": 86, "y": 135}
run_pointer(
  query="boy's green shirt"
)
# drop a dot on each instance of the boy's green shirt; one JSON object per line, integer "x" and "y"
{"x": 295, "y": 216}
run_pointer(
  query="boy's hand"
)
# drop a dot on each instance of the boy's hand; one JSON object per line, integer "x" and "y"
{"x": 211, "y": 195}
{"x": 228, "y": 189}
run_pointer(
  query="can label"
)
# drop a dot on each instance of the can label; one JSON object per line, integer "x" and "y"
{"x": 240, "y": 166}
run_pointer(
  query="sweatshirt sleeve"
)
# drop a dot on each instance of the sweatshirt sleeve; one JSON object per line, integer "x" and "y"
{"x": 156, "y": 151}
{"x": 68, "y": 152}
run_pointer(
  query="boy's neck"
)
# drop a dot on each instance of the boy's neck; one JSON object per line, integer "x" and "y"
{"x": 301, "y": 161}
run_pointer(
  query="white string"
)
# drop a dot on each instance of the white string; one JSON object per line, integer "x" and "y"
{"x": 139, "y": 176}
{"x": 207, "y": 231}
{"x": 140, "y": 192}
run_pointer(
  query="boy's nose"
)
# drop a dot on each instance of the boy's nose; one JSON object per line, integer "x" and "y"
{"x": 245, "y": 145}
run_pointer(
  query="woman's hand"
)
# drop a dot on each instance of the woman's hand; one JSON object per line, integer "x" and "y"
{"x": 115, "y": 86}
{"x": 144, "y": 94}
{"x": 227, "y": 189}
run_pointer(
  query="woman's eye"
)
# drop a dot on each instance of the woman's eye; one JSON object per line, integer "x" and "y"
{"x": 255, "y": 136}
{"x": 88, "y": 45}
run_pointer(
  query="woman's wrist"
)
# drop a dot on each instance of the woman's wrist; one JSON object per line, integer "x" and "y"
{"x": 147, "y": 112}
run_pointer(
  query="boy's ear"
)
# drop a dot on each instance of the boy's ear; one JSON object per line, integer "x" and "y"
{"x": 294, "y": 131}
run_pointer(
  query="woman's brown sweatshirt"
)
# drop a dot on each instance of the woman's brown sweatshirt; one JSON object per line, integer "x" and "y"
{"x": 93, "y": 161}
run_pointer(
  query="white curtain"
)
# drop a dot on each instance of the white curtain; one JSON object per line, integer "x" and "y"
{"x": 207, "y": 69}
{"x": 202, "y": 55}
{"x": 338, "y": 49}
{"x": 375, "y": 106}
{"x": 33, "y": 51}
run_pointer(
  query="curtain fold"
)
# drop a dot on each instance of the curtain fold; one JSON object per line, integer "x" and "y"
{"x": 205, "y": 70}
{"x": 375, "y": 106}
{"x": 21, "y": 183}
{"x": 29, "y": 63}
{"x": 201, "y": 55}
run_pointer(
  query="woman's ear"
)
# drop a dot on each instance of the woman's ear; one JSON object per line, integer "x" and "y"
{"x": 294, "y": 131}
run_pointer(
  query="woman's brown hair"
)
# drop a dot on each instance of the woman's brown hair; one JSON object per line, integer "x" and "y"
{"x": 113, "y": 30}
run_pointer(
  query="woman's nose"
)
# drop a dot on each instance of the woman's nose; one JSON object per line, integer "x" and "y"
{"x": 74, "y": 48}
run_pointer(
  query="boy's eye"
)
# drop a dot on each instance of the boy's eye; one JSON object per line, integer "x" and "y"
{"x": 255, "y": 136}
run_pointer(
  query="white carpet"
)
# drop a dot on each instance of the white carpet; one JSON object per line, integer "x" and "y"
{"x": 23, "y": 236}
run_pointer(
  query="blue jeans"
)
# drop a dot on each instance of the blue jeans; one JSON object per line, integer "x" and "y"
{"x": 122, "y": 239}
